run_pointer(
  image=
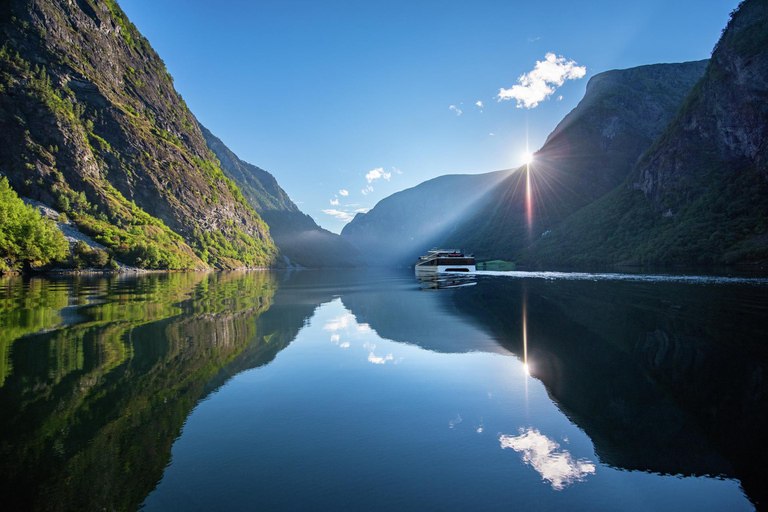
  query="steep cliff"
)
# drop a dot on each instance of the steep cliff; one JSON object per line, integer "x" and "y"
{"x": 92, "y": 125}
{"x": 590, "y": 152}
{"x": 406, "y": 224}
{"x": 296, "y": 234}
{"x": 700, "y": 193}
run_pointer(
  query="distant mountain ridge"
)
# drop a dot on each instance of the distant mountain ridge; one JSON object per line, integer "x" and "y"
{"x": 296, "y": 234}
{"x": 410, "y": 222}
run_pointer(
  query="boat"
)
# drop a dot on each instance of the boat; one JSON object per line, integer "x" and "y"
{"x": 445, "y": 261}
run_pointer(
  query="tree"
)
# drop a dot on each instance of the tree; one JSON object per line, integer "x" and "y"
{"x": 25, "y": 236}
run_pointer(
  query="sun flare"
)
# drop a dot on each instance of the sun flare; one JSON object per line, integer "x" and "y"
{"x": 527, "y": 158}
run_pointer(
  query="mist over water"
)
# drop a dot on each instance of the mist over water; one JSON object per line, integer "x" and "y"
{"x": 352, "y": 390}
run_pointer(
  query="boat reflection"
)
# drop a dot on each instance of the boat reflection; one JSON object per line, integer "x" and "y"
{"x": 444, "y": 281}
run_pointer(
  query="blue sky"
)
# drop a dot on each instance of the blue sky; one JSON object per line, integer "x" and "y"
{"x": 322, "y": 93}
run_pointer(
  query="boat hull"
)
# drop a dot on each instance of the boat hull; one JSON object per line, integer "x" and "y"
{"x": 444, "y": 269}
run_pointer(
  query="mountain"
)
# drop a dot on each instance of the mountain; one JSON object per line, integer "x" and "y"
{"x": 93, "y": 127}
{"x": 408, "y": 223}
{"x": 296, "y": 234}
{"x": 591, "y": 152}
{"x": 699, "y": 195}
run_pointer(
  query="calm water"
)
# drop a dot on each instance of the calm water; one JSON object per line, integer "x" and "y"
{"x": 368, "y": 390}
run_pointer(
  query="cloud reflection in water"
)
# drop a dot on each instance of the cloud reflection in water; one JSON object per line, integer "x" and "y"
{"x": 555, "y": 465}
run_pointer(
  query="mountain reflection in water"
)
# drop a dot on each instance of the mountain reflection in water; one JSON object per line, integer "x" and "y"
{"x": 167, "y": 390}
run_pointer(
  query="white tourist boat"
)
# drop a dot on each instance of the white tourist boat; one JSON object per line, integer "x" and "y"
{"x": 445, "y": 261}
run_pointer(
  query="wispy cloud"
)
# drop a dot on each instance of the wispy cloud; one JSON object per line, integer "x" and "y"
{"x": 334, "y": 202}
{"x": 343, "y": 192}
{"x": 455, "y": 109}
{"x": 541, "y": 82}
{"x": 366, "y": 190}
{"x": 479, "y": 104}
{"x": 491, "y": 134}
{"x": 362, "y": 210}
{"x": 533, "y": 39}
{"x": 375, "y": 174}
{"x": 339, "y": 214}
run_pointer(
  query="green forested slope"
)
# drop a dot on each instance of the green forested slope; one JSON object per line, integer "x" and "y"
{"x": 93, "y": 126}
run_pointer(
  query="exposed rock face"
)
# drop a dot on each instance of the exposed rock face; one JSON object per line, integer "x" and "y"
{"x": 90, "y": 118}
{"x": 296, "y": 234}
{"x": 590, "y": 152}
{"x": 409, "y": 223}
{"x": 723, "y": 126}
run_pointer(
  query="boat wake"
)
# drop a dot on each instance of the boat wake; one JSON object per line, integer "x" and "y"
{"x": 615, "y": 276}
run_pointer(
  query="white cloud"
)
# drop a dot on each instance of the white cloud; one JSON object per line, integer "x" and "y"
{"x": 541, "y": 82}
{"x": 366, "y": 190}
{"x": 455, "y": 109}
{"x": 479, "y": 104}
{"x": 362, "y": 210}
{"x": 339, "y": 214}
{"x": 377, "y": 173}
{"x": 334, "y": 202}
{"x": 396, "y": 170}
{"x": 556, "y": 466}
{"x": 335, "y": 338}
{"x": 491, "y": 134}
{"x": 560, "y": 98}
{"x": 343, "y": 192}
{"x": 344, "y": 345}
{"x": 373, "y": 174}
{"x": 533, "y": 39}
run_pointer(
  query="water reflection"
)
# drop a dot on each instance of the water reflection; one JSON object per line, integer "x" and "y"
{"x": 445, "y": 281}
{"x": 98, "y": 377}
{"x": 663, "y": 377}
{"x": 91, "y": 409}
{"x": 554, "y": 464}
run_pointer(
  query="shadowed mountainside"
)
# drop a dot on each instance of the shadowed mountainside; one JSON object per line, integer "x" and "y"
{"x": 700, "y": 193}
{"x": 590, "y": 152}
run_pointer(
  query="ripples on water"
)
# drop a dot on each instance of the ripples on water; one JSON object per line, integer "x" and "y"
{"x": 368, "y": 390}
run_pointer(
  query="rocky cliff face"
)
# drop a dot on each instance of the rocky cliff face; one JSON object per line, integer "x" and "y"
{"x": 296, "y": 234}
{"x": 409, "y": 223}
{"x": 723, "y": 126}
{"x": 92, "y": 124}
{"x": 699, "y": 195}
{"x": 588, "y": 154}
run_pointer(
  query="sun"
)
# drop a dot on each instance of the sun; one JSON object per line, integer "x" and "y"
{"x": 527, "y": 158}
